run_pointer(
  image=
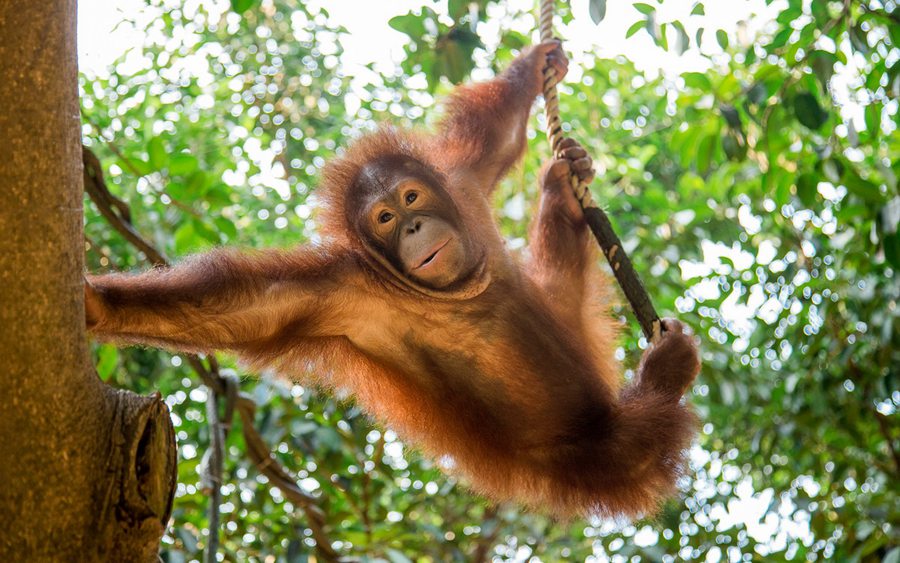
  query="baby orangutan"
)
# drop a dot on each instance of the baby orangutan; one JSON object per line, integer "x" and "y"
{"x": 414, "y": 305}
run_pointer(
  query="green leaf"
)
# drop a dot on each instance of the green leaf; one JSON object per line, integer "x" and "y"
{"x": 329, "y": 438}
{"x": 513, "y": 40}
{"x": 833, "y": 170}
{"x": 185, "y": 238}
{"x": 777, "y": 183}
{"x": 218, "y": 195}
{"x": 241, "y": 6}
{"x": 780, "y": 39}
{"x": 860, "y": 187}
{"x": 663, "y": 39}
{"x": 635, "y": 27}
{"x": 182, "y": 164}
{"x": 107, "y": 360}
{"x": 688, "y": 146}
{"x": 892, "y": 250}
{"x": 644, "y": 8}
{"x": 597, "y": 9}
{"x": 705, "y": 153}
{"x": 757, "y": 94}
{"x": 731, "y": 146}
{"x": 820, "y": 12}
{"x": 894, "y": 32}
{"x": 458, "y": 8}
{"x": 722, "y": 39}
{"x": 782, "y": 191}
{"x": 697, "y": 80}
{"x": 410, "y": 24}
{"x": 858, "y": 39}
{"x": 197, "y": 183}
{"x": 178, "y": 191}
{"x": 698, "y": 10}
{"x": 205, "y": 231}
{"x": 873, "y": 119}
{"x": 683, "y": 41}
{"x": 822, "y": 63}
{"x": 873, "y": 81}
{"x": 732, "y": 117}
{"x": 691, "y": 184}
{"x": 226, "y": 227}
{"x": 136, "y": 165}
{"x": 808, "y": 111}
{"x": 156, "y": 150}
{"x": 807, "y": 185}
{"x": 454, "y": 53}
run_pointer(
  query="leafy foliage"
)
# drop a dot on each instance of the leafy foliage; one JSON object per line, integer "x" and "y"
{"x": 759, "y": 198}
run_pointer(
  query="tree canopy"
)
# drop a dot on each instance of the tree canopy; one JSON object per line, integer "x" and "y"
{"x": 758, "y": 199}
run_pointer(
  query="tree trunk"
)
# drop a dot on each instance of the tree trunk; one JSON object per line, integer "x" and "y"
{"x": 87, "y": 472}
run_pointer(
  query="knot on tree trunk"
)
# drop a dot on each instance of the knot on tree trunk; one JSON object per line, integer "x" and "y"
{"x": 143, "y": 474}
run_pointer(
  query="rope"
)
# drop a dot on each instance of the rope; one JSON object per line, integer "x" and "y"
{"x": 594, "y": 216}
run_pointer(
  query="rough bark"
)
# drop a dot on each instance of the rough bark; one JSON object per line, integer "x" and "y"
{"x": 88, "y": 472}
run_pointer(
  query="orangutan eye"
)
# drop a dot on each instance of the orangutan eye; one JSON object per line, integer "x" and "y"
{"x": 411, "y": 197}
{"x": 385, "y": 217}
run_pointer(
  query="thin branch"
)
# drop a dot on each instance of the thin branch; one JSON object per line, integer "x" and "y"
{"x": 486, "y": 542}
{"x": 213, "y": 467}
{"x": 134, "y": 170}
{"x": 110, "y": 208}
{"x": 366, "y": 505}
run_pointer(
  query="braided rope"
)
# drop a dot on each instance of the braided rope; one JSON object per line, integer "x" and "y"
{"x": 597, "y": 220}
{"x": 551, "y": 101}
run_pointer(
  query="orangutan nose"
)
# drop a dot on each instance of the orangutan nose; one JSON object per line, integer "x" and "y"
{"x": 414, "y": 226}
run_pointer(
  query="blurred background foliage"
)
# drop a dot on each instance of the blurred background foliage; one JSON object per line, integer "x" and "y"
{"x": 759, "y": 202}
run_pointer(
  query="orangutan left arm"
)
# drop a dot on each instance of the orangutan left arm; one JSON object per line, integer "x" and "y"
{"x": 219, "y": 300}
{"x": 483, "y": 132}
{"x": 562, "y": 250}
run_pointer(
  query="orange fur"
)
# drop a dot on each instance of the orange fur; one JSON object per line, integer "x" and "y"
{"x": 515, "y": 381}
